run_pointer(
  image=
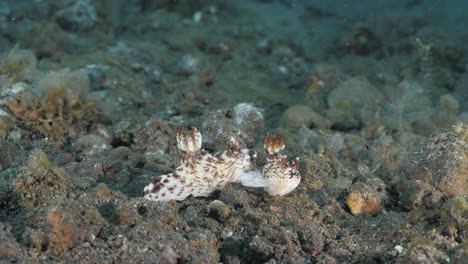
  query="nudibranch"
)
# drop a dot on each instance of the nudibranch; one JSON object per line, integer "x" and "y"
{"x": 281, "y": 176}
{"x": 200, "y": 173}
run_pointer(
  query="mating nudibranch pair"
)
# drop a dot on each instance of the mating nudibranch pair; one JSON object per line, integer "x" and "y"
{"x": 201, "y": 173}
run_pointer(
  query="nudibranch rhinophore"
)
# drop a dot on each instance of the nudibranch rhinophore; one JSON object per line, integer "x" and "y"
{"x": 201, "y": 173}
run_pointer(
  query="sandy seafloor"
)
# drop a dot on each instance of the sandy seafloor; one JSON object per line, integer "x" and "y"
{"x": 370, "y": 95}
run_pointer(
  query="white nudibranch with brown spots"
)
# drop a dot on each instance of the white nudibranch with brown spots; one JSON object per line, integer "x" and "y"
{"x": 282, "y": 176}
{"x": 279, "y": 176}
{"x": 201, "y": 173}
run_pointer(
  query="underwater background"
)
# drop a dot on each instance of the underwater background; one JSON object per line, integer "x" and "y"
{"x": 372, "y": 96}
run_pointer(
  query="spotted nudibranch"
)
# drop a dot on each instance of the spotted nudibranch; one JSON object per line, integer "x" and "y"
{"x": 281, "y": 175}
{"x": 201, "y": 173}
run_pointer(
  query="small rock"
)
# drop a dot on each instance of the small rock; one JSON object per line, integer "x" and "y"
{"x": 325, "y": 77}
{"x": 398, "y": 249}
{"x": 317, "y": 171}
{"x": 121, "y": 153}
{"x": 231, "y": 251}
{"x": 155, "y": 136}
{"x": 241, "y": 122}
{"x": 236, "y": 197}
{"x": 422, "y": 251}
{"x": 335, "y": 144}
{"x": 189, "y": 65}
{"x": 92, "y": 144}
{"x": 353, "y": 102}
{"x": 219, "y": 210}
{"x": 312, "y": 238}
{"x": 367, "y": 197}
{"x": 78, "y": 17}
{"x": 60, "y": 226}
{"x": 217, "y": 129}
{"x": 106, "y": 194}
{"x": 417, "y": 193}
{"x": 301, "y": 116}
{"x": 248, "y": 119}
{"x": 127, "y": 215}
{"x": 40, "y": 181}
{"x": 283, "y": 52}
{"x": 357, "y": 204}
{"x": 443, "y": 162}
